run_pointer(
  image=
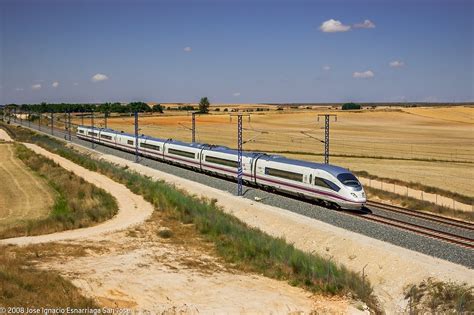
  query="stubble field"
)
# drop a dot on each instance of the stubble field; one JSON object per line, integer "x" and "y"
{"x": 433, "y": 146}
{"x": 23, "y": 194}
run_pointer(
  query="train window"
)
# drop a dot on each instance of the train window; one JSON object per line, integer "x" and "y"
{"x": 220, "y": 161}
{"x": 90, "y": 133}
{"x": 81, "y": 131}
{"x": 322, "y": 182}
{"x": 349, "y": 180}
{"x": 150, "y": 146}
{"x": 284, "y": 174}
{"x": 310, "y": 178}
{"x": 130, "y": 142}
{"x": 106, "y": 137}
{"x": 182, "y": 153}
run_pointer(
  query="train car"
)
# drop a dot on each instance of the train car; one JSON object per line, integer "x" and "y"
{"x": 223, "y": 161}
{"x": 182, "y": 153}
{"x": 329, "y": 184}
{"x": 332, "y": 184}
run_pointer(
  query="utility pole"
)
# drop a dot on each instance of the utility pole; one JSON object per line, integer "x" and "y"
{"x": 136, "y": 136}
{"x": 327, "y": 118}
{"x": 69, "y": 124}
{"x": 29, "y": 117}
{"x": 239, "y": 151}
{"x": 14, "y": 114}
{"x": 21, "y": 117}
{"x": 39, "y": 121}
{"x": 194, "y": 127}
{"x": 52, "y": 123}
{"x": 92, "y": 124}
{"x": 105, "y": 119}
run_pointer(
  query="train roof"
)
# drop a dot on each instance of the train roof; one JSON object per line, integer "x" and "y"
{"x": 331, "y": 169}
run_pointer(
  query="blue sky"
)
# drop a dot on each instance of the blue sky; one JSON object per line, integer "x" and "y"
{"x": 236, "y": 51}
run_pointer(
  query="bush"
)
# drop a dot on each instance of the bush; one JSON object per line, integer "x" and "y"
{"x": 351, "y": 106}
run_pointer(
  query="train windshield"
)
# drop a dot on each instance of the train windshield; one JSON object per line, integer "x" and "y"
{"x": 349, "y": 180}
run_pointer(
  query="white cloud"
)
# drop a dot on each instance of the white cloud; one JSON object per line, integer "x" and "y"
{"x": 99, "y": 77}
{"x": 333, "y": 26}
{"x": 236, "y": 94}
{"x": 365, "y": 24}
{"x": 363, "y": 75}
{"x": 188, "y": 49}
{"x": 19, "y": 89}
{"x": 396, "y": 64}
{"x": 36, "y": 86}
{"x": 55, "y": 84}
{"x": 326, "y": 68}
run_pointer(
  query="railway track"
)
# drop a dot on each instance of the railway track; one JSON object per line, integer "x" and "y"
{"x": 438, "y": 234}
{"x": 424, "y": 215}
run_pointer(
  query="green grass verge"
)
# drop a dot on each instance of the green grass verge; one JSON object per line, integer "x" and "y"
{"x": 78, "y": 203}
{"x": 247, "y": 248}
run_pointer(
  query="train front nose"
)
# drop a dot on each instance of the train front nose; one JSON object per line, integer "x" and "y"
{"x": 359, "y": 196}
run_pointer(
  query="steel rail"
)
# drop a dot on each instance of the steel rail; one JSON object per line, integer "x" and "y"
{"x": 418, "y": 229}
{"x": 423, "y": 215}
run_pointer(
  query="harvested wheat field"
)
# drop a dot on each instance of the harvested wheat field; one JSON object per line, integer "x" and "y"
{"x": 23, "y": 195}
{"x": 407, "y": 144}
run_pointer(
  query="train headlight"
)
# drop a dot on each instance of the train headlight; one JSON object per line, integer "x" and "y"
{"x": 354, "y": 195}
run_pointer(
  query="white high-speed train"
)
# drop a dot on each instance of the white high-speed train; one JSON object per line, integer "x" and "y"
{"x": 329, "y": 184}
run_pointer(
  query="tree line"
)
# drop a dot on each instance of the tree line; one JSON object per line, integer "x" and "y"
{"x": 86, "y": 108}
{"x": 116, "y": 107}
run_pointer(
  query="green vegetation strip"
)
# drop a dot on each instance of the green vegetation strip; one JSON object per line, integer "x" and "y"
{"x": 78, "y": 203}
{"x": 247, "y": 248}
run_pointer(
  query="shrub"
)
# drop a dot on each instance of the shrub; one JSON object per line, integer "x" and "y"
{"x": 351, "y": 106}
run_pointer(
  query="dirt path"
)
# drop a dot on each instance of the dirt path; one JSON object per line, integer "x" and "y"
{"x": 133, "y": 209}
{"x": 389, "y": 268}
{"x": 5, "y": 136}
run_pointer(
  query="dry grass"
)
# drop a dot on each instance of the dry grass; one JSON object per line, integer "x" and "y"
{"x": 77, "y": 204}
{"x": 418, "y": 205}
{"x": 22, "y": 284}
{"x": 23, "y": 194}
{"x": 425, "y": 142}
{"x": 438, "y": 297}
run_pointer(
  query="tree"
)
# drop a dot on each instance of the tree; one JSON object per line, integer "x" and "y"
{"x": 158, "y": 108}
{"x": 351, "y": 106}
{"x": 204, "y": 105}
